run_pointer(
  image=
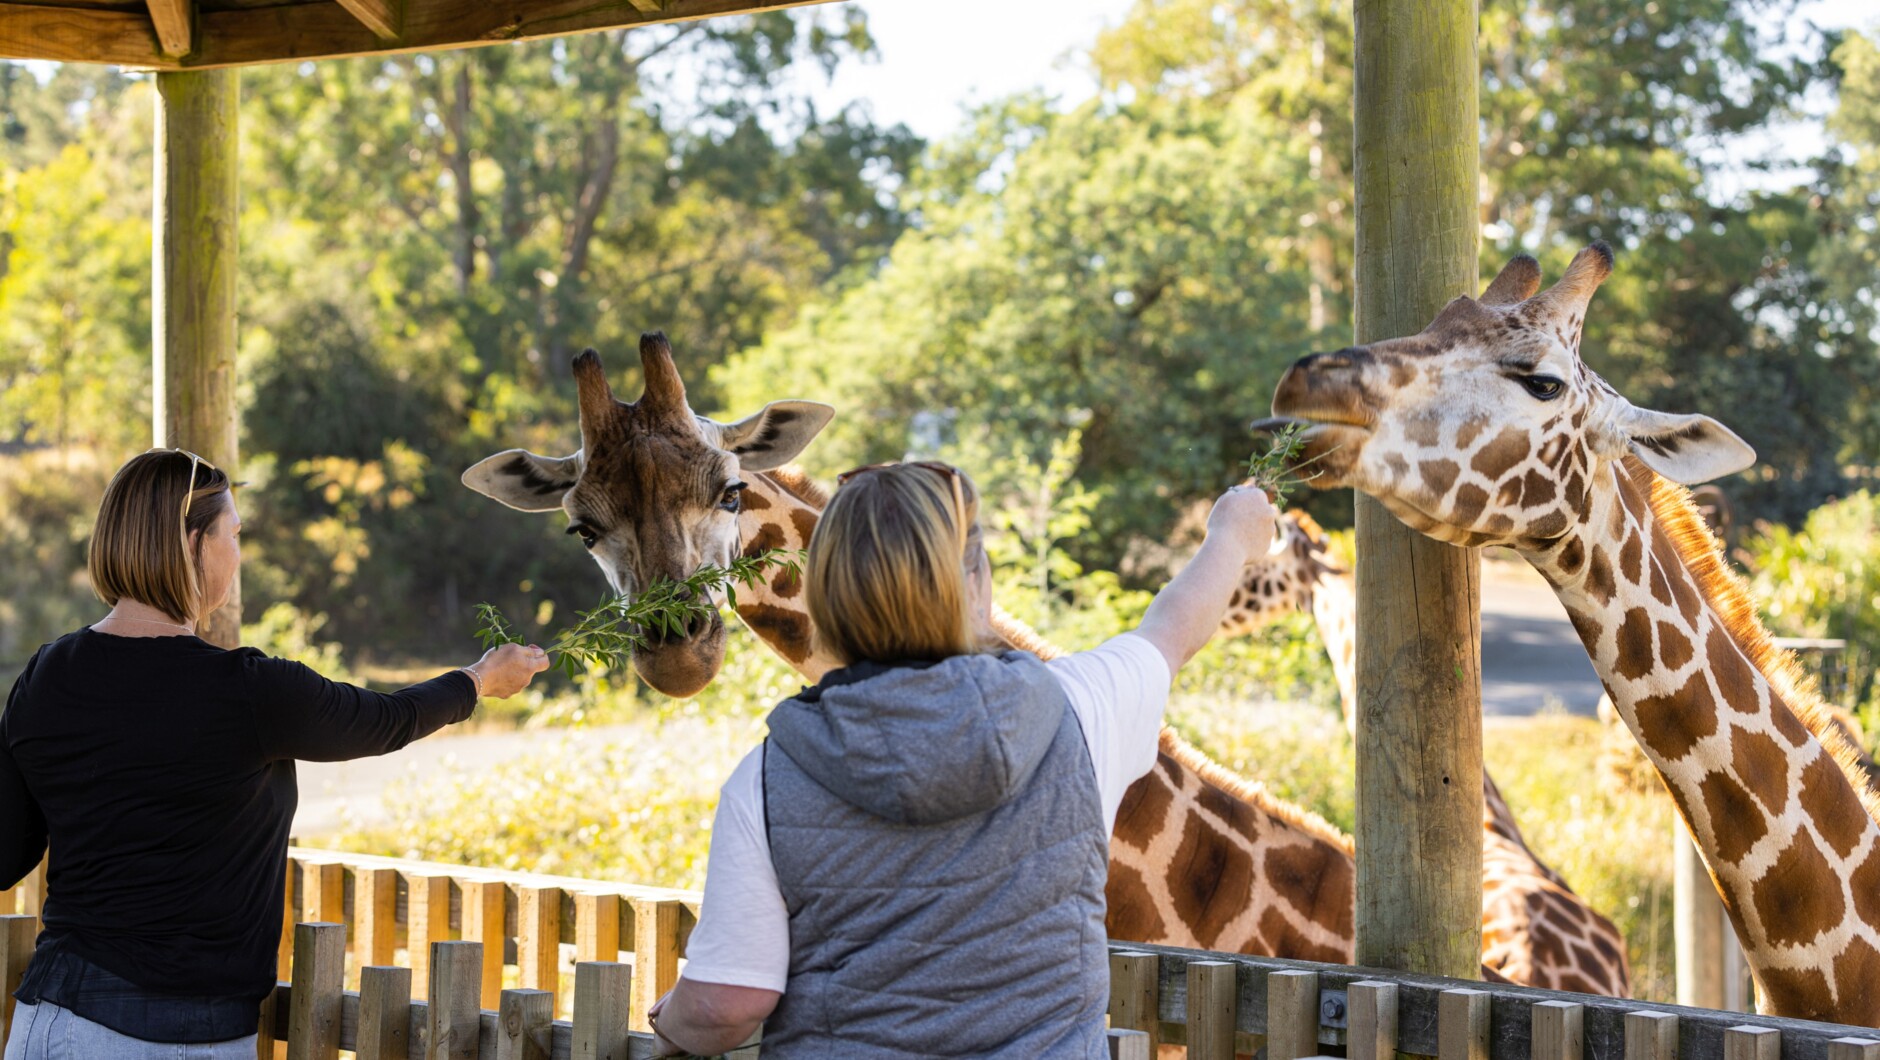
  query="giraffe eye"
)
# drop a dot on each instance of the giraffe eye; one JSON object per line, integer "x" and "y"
{"x": 1544, "y": 387}
{"x": 588, "y": 536}
{"x": 732, "y": 500}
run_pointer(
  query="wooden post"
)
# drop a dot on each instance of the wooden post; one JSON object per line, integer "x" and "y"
{"x": 1651, "y": 1036}
{"x": 523, "y": 1024}
{"x": 17, "y": 934}
{"x": 194, "y": 218}
{"x": 1212, "y": 1001}
{"x": 1698, "y": 924}
{"x": 324, "y": 888}
{"x": 1135, "y": 994}
{"x": 1419, "y": 743}
{"x": 454, "y": 1014}
{"x": 1372, "y": 1034}
{"x": 596, "y": 927}
{"x": 1558, "y": 1030}
{"x": 1853, "y": 1049}
{"x": 1292, "y": 1015}
{"x": 1462, "y": 1024}
{"x": 1752, "y": 1043}
{"x": 319, "y": 980}
{"x": 538, "y": 938}
{"x": 1129, "y": 1045}
{"x": 384, "y": 1014}
{"x": 375, "y": 915}
{"x": 603, "y": 992}
{"x": 483, "y": 902}
{"x": 427, "y": 920}
{"x": 655, "y": 953}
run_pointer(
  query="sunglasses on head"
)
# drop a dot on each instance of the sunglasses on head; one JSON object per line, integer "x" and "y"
{"x": 189, "y": 496}
{"x": 946, "y": 471}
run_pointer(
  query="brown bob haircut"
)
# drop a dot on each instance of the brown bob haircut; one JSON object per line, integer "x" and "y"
{"x": 889, "y": 563}
{"x": 140, "y": 546}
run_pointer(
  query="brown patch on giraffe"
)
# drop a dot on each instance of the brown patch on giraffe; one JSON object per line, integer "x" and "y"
{"x": 1631, "y": 556}
{"x": 1425, "y": 431}
{"x": 1830, "y": 803}
{"x": 1553, "y": 451}
{"x": 1865, "y": 883}
{"x": 768, "y": 536}
{"x": 1131, "y": 916}
{"x": 1316, "y": 869}
{"x": 787, "y": 583}
{"x": 1635, "y": 658}
{"x": 1798, "y": 993}
{"x": 1575, "y": 491}
{"x": 1672, "y": 725}
{"x": 1469, "y": 431}
{"x": 1736, "y": 682}
{"x": 1145, "y": 805}
{"x": 1170, "y": 768}
{"x": 1599, "y": 583}
{"x": 753, "y": 501}
{"x": 1401, "y": 374}
{"x": 1661, "y": 586}
{"x": 1538, "y": 489}
{"x": 1509, "y": 448}
{"x": 1398, "y": 467}
{"x": 1799, "y": 898}
{"x": 1735, "y": 822}
{"x": 1549, "y": 526}
{"x": 786, "y": 631}
{"x": 805, "y": 523}
{"x": 1762, "y": 766}
{"x": 1438, "y": 476}
{"x": 1470, "y": 501}
{"x": 1674, "y": 648}
{"x": 1572, "y": 555}
{"x": 1857, "y": 977}
{"x": 1509, "y": 495}
{"x": 1684, "y": 596}
{"x": 1579, "y": 984}
{"x": 1205, "y": 875}
{"x": 1281, "y": 936}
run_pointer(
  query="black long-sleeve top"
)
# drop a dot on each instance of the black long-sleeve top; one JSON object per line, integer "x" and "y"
{"x": 162, "y": 769}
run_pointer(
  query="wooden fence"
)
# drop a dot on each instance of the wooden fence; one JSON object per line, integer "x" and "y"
{"x": 496, "y": 995}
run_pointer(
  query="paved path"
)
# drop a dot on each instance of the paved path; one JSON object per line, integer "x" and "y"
{"x": 1531, "y": 658}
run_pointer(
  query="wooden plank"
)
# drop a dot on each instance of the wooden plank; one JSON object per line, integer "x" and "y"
{"x": 1419, "y": 711}
{"x": 1558, "y": 1030}
{"x": 522, "y": 1024}
{"x": 427, "y": 920}
{"x": 1651, "y": 1036}
{"x": 1698, "y": 924}
{"x": 1462, "y": 1025}
{"x": 243, "y": 36}
{"x": 17, "y": 935}
{"x": 1852, "y": 1049}
{"x": 32, "y": 890}
{"x": 1129, "y": 1045}
{"x": 384, "y": 18}
{"x": 323, "y": 893}
{"x": 596, "y": 927}
{"x": 538, "y": 938}
{"x": 384, "y": 1014}
{"x": 1135, "y": 994}
{"x": 375, "y": 916}
{"x": 174, "y": 22}
{"x": 319, "y": 980}
{"x": 1752, "y": 1043}
{"x": 268, "y": 1030}
{"x": 1292, "y": 1015}
{"x": 454, "y": 1024}
{"x": 1372, "y": 1033}
{"x": 655, "y": 954}
{"x": 284, "y": 952}
{"x": 603, "y": 996}
{"x": 1213, "y": 996}
{"x": 483, "y": 922}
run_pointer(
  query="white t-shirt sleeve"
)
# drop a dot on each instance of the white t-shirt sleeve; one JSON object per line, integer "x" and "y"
{"x": 743, "y": 932}
{"x": 1118, "y": 690}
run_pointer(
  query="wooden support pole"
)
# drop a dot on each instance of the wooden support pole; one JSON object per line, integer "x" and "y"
{"x": 1652, "y": 1036}
{"x": 384, "y": 1014}
{"x": 523, "y": 1024}
{"x": 603, "y": 993}
{"x": 1853, "y": 1049}
{"x": 375, "y": 915}
{"x": 596, "y": 927}
{"x": 1419, "y": 742}
{"x": 193, "y": 250}
{"x": 1292, "y": 1015}
{"x": 483, "y": 902}
{"x": 323, "y": 888}
{"x": 319, "y": 982}
{"x": 1212, "y": 1003}
{"x": 454, "y": 1014}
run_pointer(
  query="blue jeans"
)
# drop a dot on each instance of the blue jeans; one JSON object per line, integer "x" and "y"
{"x": 47, "y": 1032}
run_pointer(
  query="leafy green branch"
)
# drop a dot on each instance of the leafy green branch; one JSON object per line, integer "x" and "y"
{"x": 608, "y": 635}
{"x": 1276, "y": 471}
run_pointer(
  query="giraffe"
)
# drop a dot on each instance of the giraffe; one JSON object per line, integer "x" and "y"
{"x": 1488, "y": 428}
{"x": 1199, "y": 857}
{"x": 1535, "y": 930}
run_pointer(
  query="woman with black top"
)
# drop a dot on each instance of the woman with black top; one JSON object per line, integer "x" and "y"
{"x": 159, "y": 769}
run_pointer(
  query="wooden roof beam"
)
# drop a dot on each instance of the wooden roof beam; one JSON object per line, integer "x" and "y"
{"x": 174, "y": 21}
{"x": 385, "y": 18}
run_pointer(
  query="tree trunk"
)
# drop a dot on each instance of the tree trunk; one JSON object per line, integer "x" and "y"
{"x": 464, "y": 249}
{"x": 1419, "y": 743}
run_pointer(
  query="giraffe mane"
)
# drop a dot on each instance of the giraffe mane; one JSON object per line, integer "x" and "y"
{"x": 799, "y": 485}
{"x": 1021, "y": 636}
{"x": 1726, "y": 591}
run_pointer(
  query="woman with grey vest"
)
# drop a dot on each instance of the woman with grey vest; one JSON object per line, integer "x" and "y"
{"x": 913, "y": 864}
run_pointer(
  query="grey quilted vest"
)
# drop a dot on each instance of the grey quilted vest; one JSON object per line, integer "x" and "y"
{"x": 939, "y": 842}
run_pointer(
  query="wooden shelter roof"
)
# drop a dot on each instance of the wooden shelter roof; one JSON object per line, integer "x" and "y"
{"x": 202, "y": 34}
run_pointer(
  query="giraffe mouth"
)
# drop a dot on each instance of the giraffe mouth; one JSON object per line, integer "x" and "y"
{"x": 1328, "y": 451}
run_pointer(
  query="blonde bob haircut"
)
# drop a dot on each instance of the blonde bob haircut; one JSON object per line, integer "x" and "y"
{"x": 889, "y": 563}
{"x": 140, "y": 546}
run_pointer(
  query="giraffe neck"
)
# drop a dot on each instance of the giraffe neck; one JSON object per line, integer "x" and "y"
{"x": 1790, "y": 845}
{"x": 1280, "y": 881}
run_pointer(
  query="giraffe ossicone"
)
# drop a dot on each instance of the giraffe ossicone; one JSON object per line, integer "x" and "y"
{"x": 1488, "y": 428}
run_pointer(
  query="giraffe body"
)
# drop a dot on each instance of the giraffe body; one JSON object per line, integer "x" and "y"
{"x": 1488, "y": 428}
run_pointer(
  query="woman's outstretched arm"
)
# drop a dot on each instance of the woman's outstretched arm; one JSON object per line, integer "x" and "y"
{"x": 1187, "y": 612}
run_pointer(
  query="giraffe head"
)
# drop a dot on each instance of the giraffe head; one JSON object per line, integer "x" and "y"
{"x": 654, "y": 492}
{"x": 1486, "y": 427}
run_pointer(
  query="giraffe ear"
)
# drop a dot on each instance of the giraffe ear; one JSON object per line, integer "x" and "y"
{"x": 1685, "y": 448}
{"x": 776, "y": 434}
{"x": 523, "y": 480}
